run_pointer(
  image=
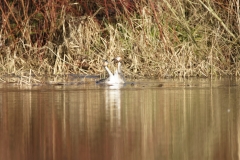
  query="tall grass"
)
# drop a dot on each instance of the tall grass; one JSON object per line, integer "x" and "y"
{"x": 155, "y": 38}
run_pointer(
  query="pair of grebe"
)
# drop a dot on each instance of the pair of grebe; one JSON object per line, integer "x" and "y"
{"x": 116, "y": 77}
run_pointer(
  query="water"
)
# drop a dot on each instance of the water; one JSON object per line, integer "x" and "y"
{"x": 148, "y": 120}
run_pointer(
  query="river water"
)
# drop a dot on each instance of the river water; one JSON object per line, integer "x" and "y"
{"x": 169, "y": 119}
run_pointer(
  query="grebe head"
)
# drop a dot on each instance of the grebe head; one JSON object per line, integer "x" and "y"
{"x": 117, "y": 59}
{"x": 105, "y": 63}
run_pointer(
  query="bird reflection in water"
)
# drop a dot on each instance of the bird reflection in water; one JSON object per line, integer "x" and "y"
{"x": 113, "y": 106}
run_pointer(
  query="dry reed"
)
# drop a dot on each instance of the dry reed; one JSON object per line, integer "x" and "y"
{"x": 155, "y": 38}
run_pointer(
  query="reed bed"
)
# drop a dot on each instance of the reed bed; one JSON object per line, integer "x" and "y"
{"x": 184, "y": 38}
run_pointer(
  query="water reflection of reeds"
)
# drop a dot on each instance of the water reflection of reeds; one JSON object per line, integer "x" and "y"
{"x": 106, "y": 123}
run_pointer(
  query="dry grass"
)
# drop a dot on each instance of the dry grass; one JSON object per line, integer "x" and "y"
{"x": 156, "y": 39}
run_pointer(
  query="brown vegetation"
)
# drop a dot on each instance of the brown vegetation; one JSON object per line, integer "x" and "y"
{"x": 155, "y": 38}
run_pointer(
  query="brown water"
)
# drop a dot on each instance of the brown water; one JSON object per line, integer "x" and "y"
{"x": 150, "y": 120}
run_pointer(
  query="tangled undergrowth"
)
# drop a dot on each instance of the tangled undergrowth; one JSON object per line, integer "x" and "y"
{"x": 155, "y": 38}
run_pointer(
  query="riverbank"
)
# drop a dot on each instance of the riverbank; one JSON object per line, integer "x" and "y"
{"x": 155, "y": 39}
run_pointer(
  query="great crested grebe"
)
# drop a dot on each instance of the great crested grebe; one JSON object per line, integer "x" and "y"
{"x": 117, "y": 77}
{"x": 105, "y": 64}
{"x": 118, "y": 72}
{"x": 110, "y": 79}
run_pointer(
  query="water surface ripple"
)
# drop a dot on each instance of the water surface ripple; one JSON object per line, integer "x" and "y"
{"x": 142, "y": 120}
